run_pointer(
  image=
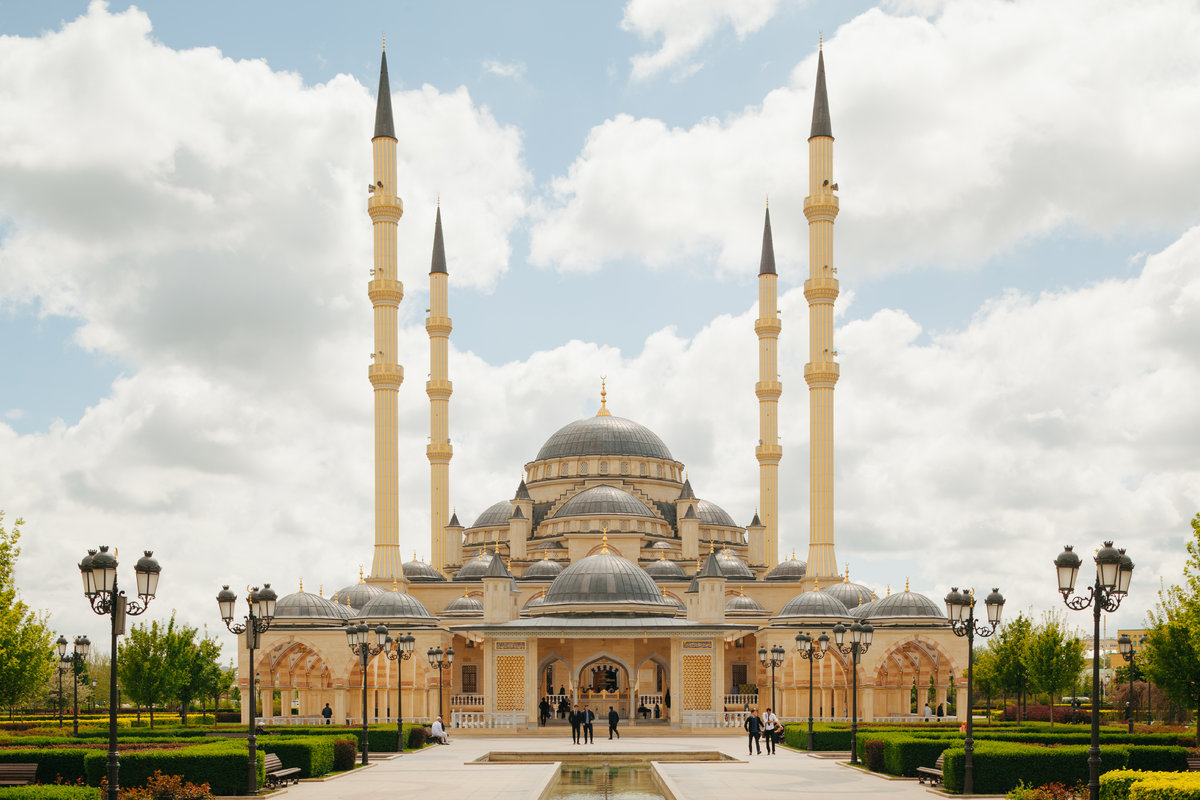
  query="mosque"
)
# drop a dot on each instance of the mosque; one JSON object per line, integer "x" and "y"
{"x": 604, "y": 579}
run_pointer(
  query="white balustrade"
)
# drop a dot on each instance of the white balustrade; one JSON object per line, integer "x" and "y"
{"x": 469, "y": 700}
{"x": 741, "y": 700}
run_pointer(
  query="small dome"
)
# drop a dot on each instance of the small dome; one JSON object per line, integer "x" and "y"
{"x": 394, "y": 604}
{"x": 814, "y": 604}
{"x": 475, "y": 568}
{"x": 604, "y": 436}
{"x": 663, "y": 570}
{"x": 865, "y": 610}
{"x": 745, "y": 605}
{"x": 675, "y": 601}
{"x": 302, "y": 605}
{"x": 713, "y": 514}
{"x": 603, "y": 579}
{"x": 603, "y": 501}
{"x": 852, "y": 595}
{"x": 359, "y": 594}
{"x": 551, "y": 545}
{"x": 544, "y": 570}
{"x": 535, "y": 601}
{"x": 732, "y": 566}
{"x": 493, "y": 515}
{"x": 791, "y": 570}
{"x": 466, "y": 606}
{"x": 663, "y": 546}
{"x": 906, "y": 604}
{"x": 420, "y": 572}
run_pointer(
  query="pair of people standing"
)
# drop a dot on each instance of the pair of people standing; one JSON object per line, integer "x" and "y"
{"x": 759, "y": 728}
{"x": 581, "y": 723}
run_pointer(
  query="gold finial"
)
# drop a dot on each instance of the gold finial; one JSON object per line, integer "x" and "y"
{"x": 820, "y": 40}
{"x": 414, "y": 555}
{"x": 816, "y": 584}
{"x": 385, "y": 42}
{"x": 725, "y": 549}
{"x": 768, "y": 206}
{"x": 465, "y": 592}
{"x": 872, "y": 595}
{"x": 395, "y": 584}
{"x": 793, "y": 554}
{"x": 508, "y": 563}
{"x": 604, "y": 541}
{"x": 320, "y": 590}
{"x": 481, "y": 554}
{"x": 302, "y": 586}
{"x": 711, "y": 547}
{"x": 847, "y": 573}
{"x": 545, "y": 555}
{"x": 742, "y": 590}
{"x": 347, "y": 601}
{"x": 439, "y": 205}
{"x": 906, "y": 584}
{"x": 360, "y": 573}
{"x": 603, "y": 412}
{"x": 889, "y": 591}
{"x": 664, "y": 591}
{"x": 334, "y": 598}
{"x": 662, "y": 555}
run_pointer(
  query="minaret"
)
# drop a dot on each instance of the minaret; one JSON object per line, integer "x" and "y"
{"x": 768, "y": 389}
{"x": 386, "y": 374}
{"x": 821, "y": 371}
{"x": 439, "y": 389}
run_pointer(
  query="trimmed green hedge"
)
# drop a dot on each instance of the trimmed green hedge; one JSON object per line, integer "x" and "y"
{"x": 998, "y": 766}
{"x": 53, "y": 764}
{"x": 222, "y": 765}
{"x": 823, "y": 739}
{"x": 380, "y": 739}
{"x": 1162, "y": 786}
{"x": 312, "y": 754}
{"x": 49, "y": 793}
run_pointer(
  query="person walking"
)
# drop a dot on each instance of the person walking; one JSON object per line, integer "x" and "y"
{"x": 770, "y": 726}
{"x": 327, "y": 713}
{"x": 589, "y": 731}
{"x": 613, "y": 719}
{"x": 575, "y": 717}
{"x": 543, "y": 711}
{"x": 753, "y": 726}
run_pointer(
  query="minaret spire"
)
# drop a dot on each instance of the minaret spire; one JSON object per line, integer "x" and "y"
{"x": 822, "y": 370}
{"x": 764, "y": 540}
{"x": 439, "y": 388}
{"x": 386, "y": 374}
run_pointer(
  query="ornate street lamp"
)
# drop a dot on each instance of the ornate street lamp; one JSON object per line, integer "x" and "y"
{"x": 1114, "y": 571}
{"x": 1125, "y": 645}
{"x": 99, "y": 573}
{"x": 960, "y": 609}
{"x": 260, "y": 611}
{"x": 804, "y": 643}
{"x": 399, "y": 650}
{"x": 775, "y": 659}
{"x": 359, "y": 638}
{"x": 68, "y": 663}
{"x": 861, "y": 634}
{"x": 436, "y": 661}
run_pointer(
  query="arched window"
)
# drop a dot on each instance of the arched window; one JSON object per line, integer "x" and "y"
{"x": 583, "y": 468}
{"x": 624, "y": 467}
{"x": 603, "y": 467}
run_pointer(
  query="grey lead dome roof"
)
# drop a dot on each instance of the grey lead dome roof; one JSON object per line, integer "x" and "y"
{"x": 603, "y": 500}
{"x": 744, "y": 604}
{"x": 420, "y": 572}
{"x": 359, "y": 594}
{"x": 394, "y": 604}
{"x": 852, "y": 595}
{"x": 495, "y": 514}
{"x": 665, "y": 570}
{"x": 543, "y": 570}
{"x": 603, "y": 579}
{"x": 475, "y": 567}
{"x": 732, "y": 566}
{"x": 302, "y": 605}
{"x": 712, "y": 514}
{"x": 792, "y": 569}
{"x": 814, "y": 604}
{"x": 604, "y": 436}
{"x": 906, "y": 604}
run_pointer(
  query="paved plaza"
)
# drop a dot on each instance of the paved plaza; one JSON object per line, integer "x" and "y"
{"x": 446, "y": 772}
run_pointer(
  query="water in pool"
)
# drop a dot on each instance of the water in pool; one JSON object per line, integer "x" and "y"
{"x": 604, "y": 781}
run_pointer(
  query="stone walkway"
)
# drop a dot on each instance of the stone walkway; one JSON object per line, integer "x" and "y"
{"x": 444, "y": 772}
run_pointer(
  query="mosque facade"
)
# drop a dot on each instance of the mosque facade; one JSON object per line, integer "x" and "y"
{"x": 604, "y": 579}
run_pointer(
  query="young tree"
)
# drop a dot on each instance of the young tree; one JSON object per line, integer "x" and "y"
{"x": 1009, "y": 647}
{"x": 1171, "y": 650}
{"x": 986, "y": 682}
{"x": 195, "y": 668}
{"x": 26, "y": 641}
{"x": 1053, "y": 657}
{"x": 143, "y": 664}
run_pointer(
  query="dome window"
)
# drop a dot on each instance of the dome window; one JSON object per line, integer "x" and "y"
{"x": 583, "y": 470}
{"x": 564, "y": 469}
{"x": 645, "y": 469}
{"x": 603, "y": 467}
{"x": 624, "y": 467}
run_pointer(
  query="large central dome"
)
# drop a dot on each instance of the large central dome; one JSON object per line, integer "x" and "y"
{"x": 604, "y": 436}
{"x": 603, "y": 579}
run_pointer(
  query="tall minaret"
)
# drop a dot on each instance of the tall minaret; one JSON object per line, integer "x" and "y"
{"x": 439, "y": 389}
{"x": 821, "y": 371}
{"x": 386, "y": 374}
{"x": 768, "y": 389}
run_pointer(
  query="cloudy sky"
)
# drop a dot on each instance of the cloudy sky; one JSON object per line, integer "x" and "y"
{"x": 184, "y": 251}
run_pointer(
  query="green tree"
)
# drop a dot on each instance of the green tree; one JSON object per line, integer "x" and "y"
{"x": 193, "y": 665}
{"x": 26, "y": 641}
{"x": 143, "y": 664}
{"x": 1171, "y": 650}
{"x": 984, "y": 678}
{"x": 1053, "y": 657}
{"x": 1009, "y": 647}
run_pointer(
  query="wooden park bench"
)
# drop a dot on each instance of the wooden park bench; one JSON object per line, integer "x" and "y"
{"x": 18, "y": 774}
{"x": 278, "y": 774}
{"x": 1193, "y": 763}
{"x": 932, "y": 774}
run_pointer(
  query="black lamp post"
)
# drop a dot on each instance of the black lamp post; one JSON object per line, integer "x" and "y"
{"x": 359, "y": 638}
{"x": 400, "y": 650}
{"x": 99, "y": 573}
{"x": 1125, "y": 645}
{"x": 861, "y": 634}
{"x": 960, "y": 608}
{"x": 79, "y": 652}
{"x": 775, "y": 659}
{"x": 436, "y": 661}
{"x": 804, "y": 643}
{"x": 1114, "y": 570}
{"x": 260, "y": 610}
{"x": 92, "y": 696}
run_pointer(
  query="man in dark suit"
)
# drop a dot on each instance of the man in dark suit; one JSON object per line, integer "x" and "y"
{"x": 588, "y": 717}
{"x": 575, "y": 717}
{"x": 613, "y": 719}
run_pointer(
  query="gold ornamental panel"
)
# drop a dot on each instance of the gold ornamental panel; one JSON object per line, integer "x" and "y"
{"x": 697, "y": 682}
{"x": 510, "y": 683}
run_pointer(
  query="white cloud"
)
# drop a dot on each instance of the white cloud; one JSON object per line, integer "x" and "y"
{"x": 685, "y": 26}
{"x": 505, "y": 69}
{"x": 14, "y": 413}
{"x": 958, "y": 138}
